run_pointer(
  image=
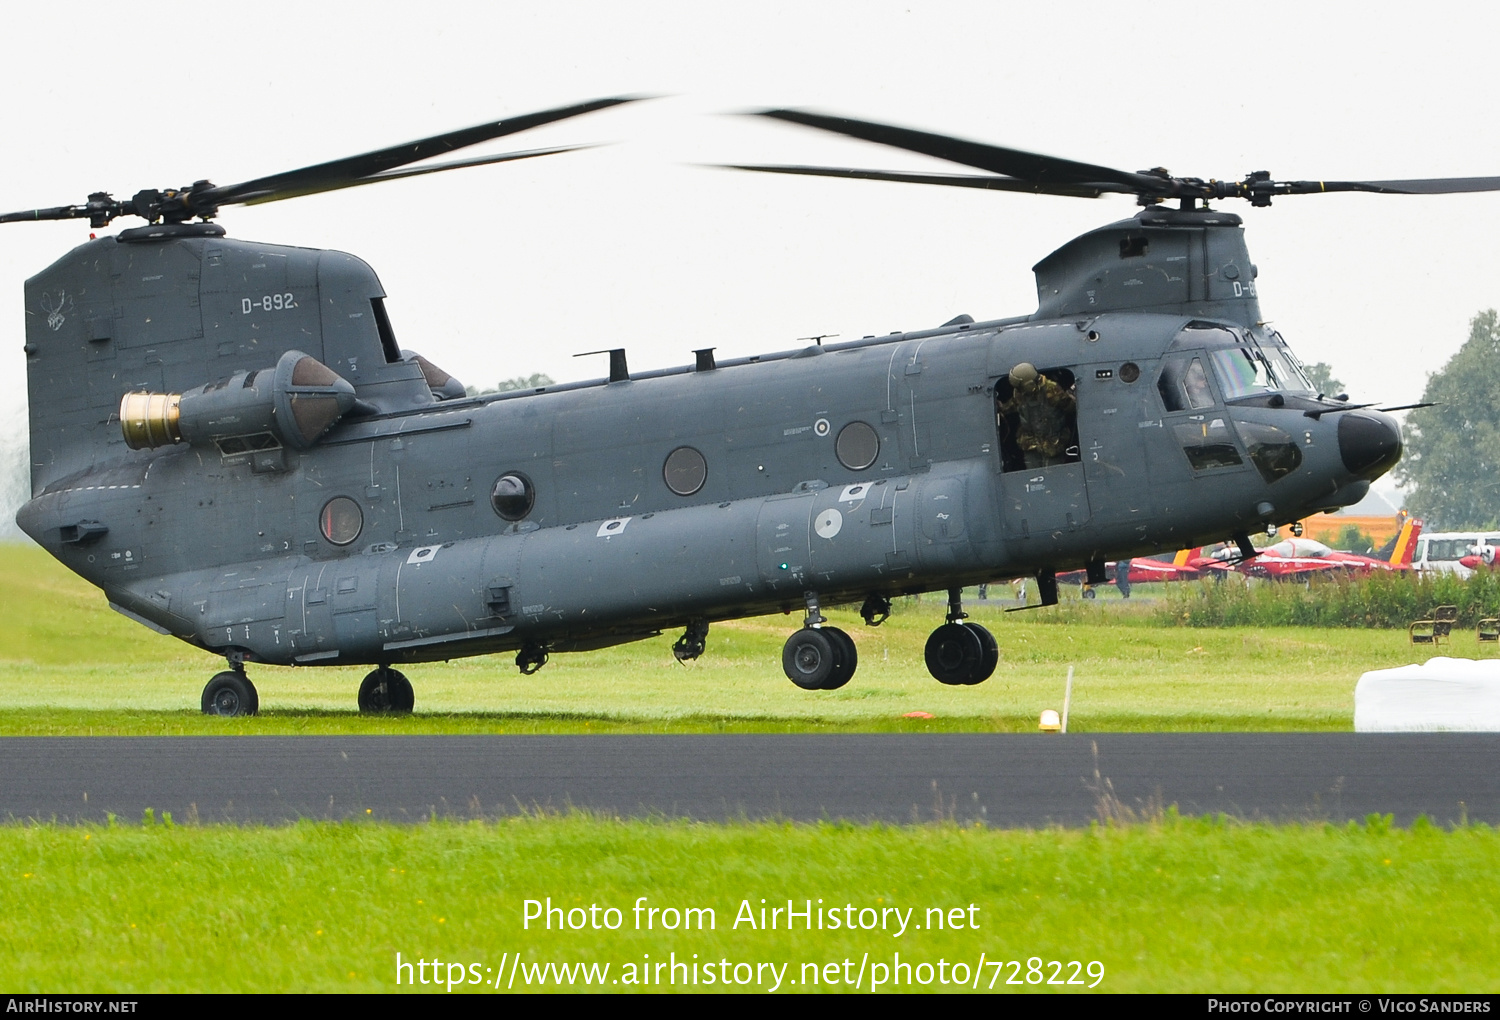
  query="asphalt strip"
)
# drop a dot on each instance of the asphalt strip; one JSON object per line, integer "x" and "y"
{"x": 1007, "y": 780}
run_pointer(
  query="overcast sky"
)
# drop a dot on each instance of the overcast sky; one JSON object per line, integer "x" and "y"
{"x": 508, "y": 270}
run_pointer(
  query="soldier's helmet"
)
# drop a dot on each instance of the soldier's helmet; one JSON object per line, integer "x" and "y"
{"x": 1024, "y": 374}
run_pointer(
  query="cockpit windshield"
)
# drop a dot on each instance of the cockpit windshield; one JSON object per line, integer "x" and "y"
{"x": 1256, "y": 361}
{"x": 1240, "y": 372}
{"x": 1285, "y": 368}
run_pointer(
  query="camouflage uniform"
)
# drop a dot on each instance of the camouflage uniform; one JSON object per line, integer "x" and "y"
{"x": 1045, "y": 413}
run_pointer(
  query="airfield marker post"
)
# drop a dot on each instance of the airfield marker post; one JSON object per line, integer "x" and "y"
{"x": 1067, "y": 699}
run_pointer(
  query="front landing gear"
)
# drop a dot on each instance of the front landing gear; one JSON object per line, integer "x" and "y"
{"x": 386, "y": 690}
{"x": 230, "y": 693}
{"x": 960, "y": 653}
{"x": 693, "y": 643}
{"x": 818, "y": 657}
{"x": 531, "y": 658}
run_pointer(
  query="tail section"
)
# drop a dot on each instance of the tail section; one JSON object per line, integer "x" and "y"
{"x": 1398, "y": 553}
{"x": 166, "y": 312}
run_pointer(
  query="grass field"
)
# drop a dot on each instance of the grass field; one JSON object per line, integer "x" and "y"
{"x": 68, "y": 664}
{"x": 1167, "y": 905}
{"x": 1161, "y": 904}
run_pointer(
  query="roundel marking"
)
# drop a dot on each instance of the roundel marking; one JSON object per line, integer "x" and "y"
{"x": 822, "y": 427}
{"x": 828, "y": 523}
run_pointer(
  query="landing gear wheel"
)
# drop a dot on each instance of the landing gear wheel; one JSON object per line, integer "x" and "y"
{"x": 386, "y": 690}
{"x": 1090, "y": 593}
{"x": 955, "y": 655}
{"x": 991, "y": 653}
{"x": 230, "y": 693}
{"x": 810, "y": 658}
{"x": 848, "y": 657}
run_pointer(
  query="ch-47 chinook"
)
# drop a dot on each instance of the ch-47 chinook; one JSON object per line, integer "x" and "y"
{"x": 228, "y": 439}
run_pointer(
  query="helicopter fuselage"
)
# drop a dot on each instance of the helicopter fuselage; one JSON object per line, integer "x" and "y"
{"x": 573, "y": 517}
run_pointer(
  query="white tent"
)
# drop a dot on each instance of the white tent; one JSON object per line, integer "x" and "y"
{"x": 1442, "y": 694}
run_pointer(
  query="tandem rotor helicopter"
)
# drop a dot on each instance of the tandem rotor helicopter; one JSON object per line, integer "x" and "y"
{"x": 228, "y": 438}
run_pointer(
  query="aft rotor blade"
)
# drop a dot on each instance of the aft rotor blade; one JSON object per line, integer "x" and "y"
{"x": 352, "y": 170}
{"x": 984, "y": 182}
{"x": 391, "y": 175}
{"x": 56, "y": 212}
{"x": 1016, "y": 163}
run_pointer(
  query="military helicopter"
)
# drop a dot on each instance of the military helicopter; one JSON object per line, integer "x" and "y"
{"x": 228, "y": 439}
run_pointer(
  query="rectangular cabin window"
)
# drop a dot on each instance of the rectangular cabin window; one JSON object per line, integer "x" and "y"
{"x": 1036, "y": 421}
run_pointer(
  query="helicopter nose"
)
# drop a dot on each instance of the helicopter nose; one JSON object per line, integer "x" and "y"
{"x": 1369, "y": 443}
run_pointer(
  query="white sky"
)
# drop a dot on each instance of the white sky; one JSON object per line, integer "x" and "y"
{"x": 508, "y": 270}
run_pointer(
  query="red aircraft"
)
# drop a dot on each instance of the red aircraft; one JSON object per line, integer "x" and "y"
{"x": 1179, "y": 566}
{"x": 1297, "y": 559}
{"x": 1483, "y": 557}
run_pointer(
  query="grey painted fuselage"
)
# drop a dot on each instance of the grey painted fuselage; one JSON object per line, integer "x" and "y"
{"x": 226, "y": 546}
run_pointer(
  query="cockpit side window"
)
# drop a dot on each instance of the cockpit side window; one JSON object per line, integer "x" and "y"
{"x": 1209, "y": 444}
{"x": 1183, "y": 385}
{"x": 1273, "y": 451}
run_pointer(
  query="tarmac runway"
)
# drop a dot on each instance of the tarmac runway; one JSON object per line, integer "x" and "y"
{"x": 1002, "y": 779}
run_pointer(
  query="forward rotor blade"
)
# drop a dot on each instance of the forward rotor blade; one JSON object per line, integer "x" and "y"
{"x": 391, "y": 175}
{"x": 351, "y": 170}
{"x": 951, "y": 180}
{"x": 1420, "y": 186}
{"x": 1017, "y": 163}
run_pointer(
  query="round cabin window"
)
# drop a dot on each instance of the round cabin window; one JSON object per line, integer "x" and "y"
{"x": 857, "y": 446}
{"x": 512, "y": 497}
{"x": 685, "y": 471}
{"x": 341, "y": 520}
{"x": 1130, "y": 372}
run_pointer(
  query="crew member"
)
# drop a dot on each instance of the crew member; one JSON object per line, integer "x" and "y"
{"x": 1046, "y": 417}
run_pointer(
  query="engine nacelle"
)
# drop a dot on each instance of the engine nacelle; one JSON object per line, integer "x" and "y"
{"x": 294, "y": 403}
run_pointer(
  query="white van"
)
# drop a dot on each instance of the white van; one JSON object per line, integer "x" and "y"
{"x": 1441, "y": 550}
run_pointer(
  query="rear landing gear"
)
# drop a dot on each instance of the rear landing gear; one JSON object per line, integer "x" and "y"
{"x": 386, "y": 690}
{"x": 817, "y": 657}
{"x": 960, "y": 653}
{"x": 230, "y": 693}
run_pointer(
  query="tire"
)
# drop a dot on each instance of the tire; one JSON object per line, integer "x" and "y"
{"x": 809, "y": 659}
{"x": 991, "y": 657}
{"x": 955, "y": 655}
{"x": 230, "y": 694}
{"x": 848, "y": 657}
{"x": 386, "y": 690}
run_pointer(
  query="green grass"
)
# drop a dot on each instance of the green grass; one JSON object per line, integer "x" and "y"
{"x": 1167, "y": 905}
{"x": 70, "y": 665}
{"x": 1383, "y": 599}
{"x": 1164, "y": 904}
